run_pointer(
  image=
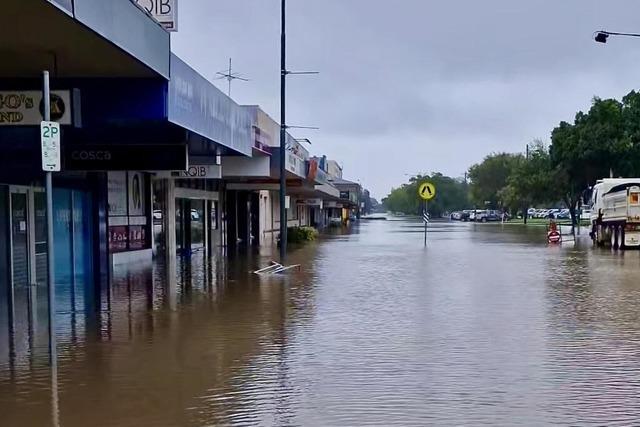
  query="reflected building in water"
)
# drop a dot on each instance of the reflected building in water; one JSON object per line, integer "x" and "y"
{"x": 167, "y": 187}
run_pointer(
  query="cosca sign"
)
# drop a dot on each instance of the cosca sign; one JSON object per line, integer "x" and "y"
{"x": 164, "y": 11}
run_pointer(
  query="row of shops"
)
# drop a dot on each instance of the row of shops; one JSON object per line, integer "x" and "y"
{"x": 158, "y": 165}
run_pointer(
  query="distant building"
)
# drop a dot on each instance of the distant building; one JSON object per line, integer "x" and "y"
{"x": 334, "y": 169}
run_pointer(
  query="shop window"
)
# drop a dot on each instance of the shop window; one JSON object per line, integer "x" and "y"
{"x": 128, "y": 209}
{"x": 214, "y": 215}
{"x": 293, "y": 214}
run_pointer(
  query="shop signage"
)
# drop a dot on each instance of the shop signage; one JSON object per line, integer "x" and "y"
{"x": 118, "y": 239}
{"x": 117, "y": 193}
{"x": 312, "y": 202}
{"x": 296, "y": 148}
{"x": 50, "y": 141}
{"x": 25, "y": 107}
{"x": 137, "y": 237}
{"x": 194, "y": 172}
{"x": 136, "y": 193}
{"x": 295, "y": 164}
{"x": 164, "y": 11}
{"x": 123, "y": 157}
{"x": 197, "y": 105}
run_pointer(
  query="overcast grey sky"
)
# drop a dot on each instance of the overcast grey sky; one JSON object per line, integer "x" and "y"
{"x": 417, "y": 85}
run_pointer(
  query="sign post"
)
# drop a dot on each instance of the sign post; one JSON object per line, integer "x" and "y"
{"x": 426, "y": 191}
{"x": 50, "y": 140}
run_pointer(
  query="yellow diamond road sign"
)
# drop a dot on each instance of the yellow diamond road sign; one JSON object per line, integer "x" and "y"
{"x": 427, "y": 191}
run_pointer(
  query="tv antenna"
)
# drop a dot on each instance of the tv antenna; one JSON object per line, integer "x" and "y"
{"x": 230, "y": 76}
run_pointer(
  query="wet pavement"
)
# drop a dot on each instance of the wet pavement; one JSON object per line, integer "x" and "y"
{"x": 488, "y": 325}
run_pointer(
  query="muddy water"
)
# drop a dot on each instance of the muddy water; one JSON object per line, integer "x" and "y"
{"x": 487, "y": 325}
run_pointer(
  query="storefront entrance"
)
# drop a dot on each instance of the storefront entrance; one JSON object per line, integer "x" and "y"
{"x": 24, "y": 300}
{"x": 28, "y": 236}
{"x": 197, "y": 225}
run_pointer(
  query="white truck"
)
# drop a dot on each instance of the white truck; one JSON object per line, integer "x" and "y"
{"x": 615, "y": 213}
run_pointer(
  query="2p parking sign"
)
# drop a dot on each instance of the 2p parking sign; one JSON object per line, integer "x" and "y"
{"x": 50, "y": 142}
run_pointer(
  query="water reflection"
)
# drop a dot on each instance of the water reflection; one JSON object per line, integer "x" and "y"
{"x": 488, "y": 325}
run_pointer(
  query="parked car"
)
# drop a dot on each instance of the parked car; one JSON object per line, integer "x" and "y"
{"x": 465, "y": 216}
{"x": 563, "y": 214}
{"x": 494, "y": 216}
{"x": 456, "y": 216}
{"x": 481, "y": 216}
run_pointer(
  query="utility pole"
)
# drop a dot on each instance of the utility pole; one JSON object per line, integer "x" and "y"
{"x": 283, "y": 135}
{"x": 525, "y": 209}
{"x": 283, "y": 130}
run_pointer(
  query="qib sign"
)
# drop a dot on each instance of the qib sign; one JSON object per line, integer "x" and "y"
{"x": 164, "y": 11}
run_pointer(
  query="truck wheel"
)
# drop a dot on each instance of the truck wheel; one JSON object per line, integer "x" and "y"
{"x": 614, "y": 237}
{"x": 621, "y": 241}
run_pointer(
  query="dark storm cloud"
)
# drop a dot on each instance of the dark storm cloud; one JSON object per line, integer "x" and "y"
{"x": 417, "y": 85}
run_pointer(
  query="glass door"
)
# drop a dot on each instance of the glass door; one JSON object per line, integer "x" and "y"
{"x": 197, "y": 217}
{"x": 19, "y": 238}
{"x": 40, "y": 231}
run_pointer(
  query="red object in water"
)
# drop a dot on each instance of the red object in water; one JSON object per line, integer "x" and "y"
{"x": 553, "y": 236}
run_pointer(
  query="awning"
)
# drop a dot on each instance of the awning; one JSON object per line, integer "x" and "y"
{"x": 96, "y": 38}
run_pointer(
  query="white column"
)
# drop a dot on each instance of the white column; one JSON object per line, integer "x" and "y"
{"x": 170, "y": 240}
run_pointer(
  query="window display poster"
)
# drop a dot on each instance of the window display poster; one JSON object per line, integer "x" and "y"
{"x": 137, "y": 237}
{"x": 117, "y": 239}
{"x": 117, "y": 193}
{"x": 136, "y": 194}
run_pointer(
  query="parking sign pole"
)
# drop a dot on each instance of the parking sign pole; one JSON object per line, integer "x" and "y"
{"x": 50, "y": 255}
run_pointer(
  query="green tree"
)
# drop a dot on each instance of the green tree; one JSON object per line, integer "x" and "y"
{"x": 489, "y": 178}
{"x": 451, "y": 194}
{"x": 532, "y": 180}
{"x": 591, "y": 148}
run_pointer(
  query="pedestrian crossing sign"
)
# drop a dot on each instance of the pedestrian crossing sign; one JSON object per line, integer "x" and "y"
{"x": 427, "y": 191}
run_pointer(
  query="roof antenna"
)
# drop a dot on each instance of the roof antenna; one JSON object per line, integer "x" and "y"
{"x": 230, "y": 76}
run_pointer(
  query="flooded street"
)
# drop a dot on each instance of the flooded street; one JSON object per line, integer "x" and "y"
{"x": 488, "y": 325}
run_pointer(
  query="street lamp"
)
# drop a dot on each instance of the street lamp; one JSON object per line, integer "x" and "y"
{"x": 283, "y": 134}
{"x": 602, "y": 36}
{"x": 283, "y": 127}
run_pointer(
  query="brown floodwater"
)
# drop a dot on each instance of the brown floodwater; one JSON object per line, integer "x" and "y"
{"x": 488, "y": 325}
